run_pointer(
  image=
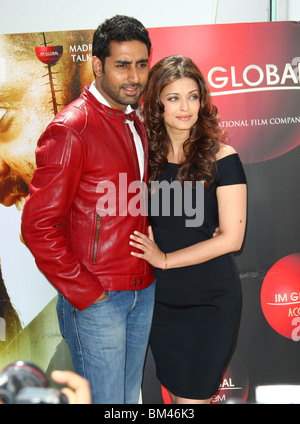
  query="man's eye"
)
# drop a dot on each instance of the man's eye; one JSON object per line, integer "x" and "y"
{"x": 2, "y": 112}
{"x": 7, "y": 116}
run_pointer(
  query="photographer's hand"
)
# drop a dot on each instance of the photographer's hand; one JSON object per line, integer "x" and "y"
{"x": 78, "y": 390}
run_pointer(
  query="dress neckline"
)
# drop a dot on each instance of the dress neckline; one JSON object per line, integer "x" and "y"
{"x": 218, "y": 160}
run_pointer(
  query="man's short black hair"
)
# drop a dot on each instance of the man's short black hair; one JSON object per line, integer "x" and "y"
{"x": 119, "y": 28}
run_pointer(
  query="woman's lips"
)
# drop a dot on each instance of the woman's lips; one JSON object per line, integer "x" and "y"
{"x": 184, "y": 117}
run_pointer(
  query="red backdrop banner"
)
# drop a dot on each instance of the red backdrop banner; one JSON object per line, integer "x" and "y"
{"x": 253, "y": 73}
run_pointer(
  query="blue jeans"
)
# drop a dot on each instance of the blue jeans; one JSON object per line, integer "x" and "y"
{"x": 108, "y": 342}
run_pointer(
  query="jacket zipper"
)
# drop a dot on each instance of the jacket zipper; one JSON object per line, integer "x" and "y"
{"x": 137, "y": 174}
{"x": 145, "y": 170}
{"x": 96, "y": 240}
{"x": 132, "y": 150}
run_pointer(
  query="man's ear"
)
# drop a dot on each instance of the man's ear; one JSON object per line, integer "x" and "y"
{"x": 97, "y": 66}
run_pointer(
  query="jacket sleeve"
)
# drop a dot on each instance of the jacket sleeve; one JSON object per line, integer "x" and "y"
{"x": 60, "y": 159}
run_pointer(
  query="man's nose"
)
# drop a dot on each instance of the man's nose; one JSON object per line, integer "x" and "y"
{"x": 4, "y": 169}
{"x": 133, "y": 75}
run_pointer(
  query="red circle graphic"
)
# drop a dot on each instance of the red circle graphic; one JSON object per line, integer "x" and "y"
{"x": 49, "y": 54}
{"x": 280, "y": 296}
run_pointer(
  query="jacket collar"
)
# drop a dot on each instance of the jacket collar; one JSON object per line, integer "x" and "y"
{"x": 93, "y": 94}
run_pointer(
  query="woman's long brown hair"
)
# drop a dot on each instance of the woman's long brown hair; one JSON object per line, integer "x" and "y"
{"x": 205, "y": 136}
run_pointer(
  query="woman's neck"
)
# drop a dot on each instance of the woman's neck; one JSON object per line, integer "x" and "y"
{"x": 175, "y": 151}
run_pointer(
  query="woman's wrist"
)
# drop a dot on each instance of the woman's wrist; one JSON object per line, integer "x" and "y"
{"x": 165, "y": 268}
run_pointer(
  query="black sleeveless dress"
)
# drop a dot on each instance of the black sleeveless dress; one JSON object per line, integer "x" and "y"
{"x": 197, "y": 308}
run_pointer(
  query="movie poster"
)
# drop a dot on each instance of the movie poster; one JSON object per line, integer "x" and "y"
{"x": 40, "y": 73}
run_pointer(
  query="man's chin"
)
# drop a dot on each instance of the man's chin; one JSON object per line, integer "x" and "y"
{"x": 129, "y": 101}
{"x": 13, "y": 191}
{"x": 14, "y": 199}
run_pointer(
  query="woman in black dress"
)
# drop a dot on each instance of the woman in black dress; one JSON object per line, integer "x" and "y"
{"x": 198, "y": 293}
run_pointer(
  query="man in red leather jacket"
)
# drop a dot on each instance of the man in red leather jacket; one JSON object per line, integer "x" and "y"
{"x": 77, "y": 220}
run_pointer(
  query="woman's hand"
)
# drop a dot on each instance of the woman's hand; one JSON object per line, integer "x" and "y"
{"x": 147, "y": 245}
{"x": 216, "y": 232}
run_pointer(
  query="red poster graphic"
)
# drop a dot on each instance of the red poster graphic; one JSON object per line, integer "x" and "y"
{"x": 280, "y": 296}
{"x": 253, "y": 71}
{"x": 49, "y": 54}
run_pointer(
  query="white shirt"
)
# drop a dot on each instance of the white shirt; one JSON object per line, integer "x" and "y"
{"x": 136, "y": 137}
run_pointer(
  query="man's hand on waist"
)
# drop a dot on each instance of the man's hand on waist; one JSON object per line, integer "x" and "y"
{"x": 103, "y": 296}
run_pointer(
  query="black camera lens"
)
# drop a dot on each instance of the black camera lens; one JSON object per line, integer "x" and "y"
{"x": 23, "y": 382}
{"x": 25, "y": 374}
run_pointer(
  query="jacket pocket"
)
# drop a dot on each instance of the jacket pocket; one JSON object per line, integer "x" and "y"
{"x": 96, "y": 238}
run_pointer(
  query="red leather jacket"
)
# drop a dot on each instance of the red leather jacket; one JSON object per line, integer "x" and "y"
{"x": 80, "y": 251}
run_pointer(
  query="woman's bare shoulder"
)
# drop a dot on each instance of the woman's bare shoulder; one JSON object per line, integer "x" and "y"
{"x": 225, "y": 150}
